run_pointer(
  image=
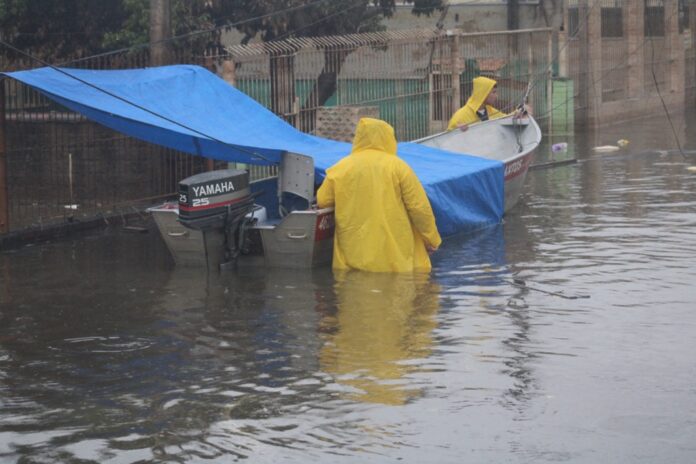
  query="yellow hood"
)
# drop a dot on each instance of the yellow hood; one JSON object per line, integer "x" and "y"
{"x": 467, "y": 113}
{"x": 374, "y": 134}
{"x": 482, "y": 87}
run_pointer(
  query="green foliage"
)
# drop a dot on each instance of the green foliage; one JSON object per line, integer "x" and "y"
{"x": 186, "y": 16}
{"x": 307, "y": 18}
{"x": 134, "y": 28}
{"x": 57, "y": 30}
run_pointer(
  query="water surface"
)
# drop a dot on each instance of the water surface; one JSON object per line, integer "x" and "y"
{"x": 566, "y": 334}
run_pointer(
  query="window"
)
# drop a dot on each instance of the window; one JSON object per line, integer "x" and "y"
{"x": 612, "y": 22}
{"x": 654, "y": 21}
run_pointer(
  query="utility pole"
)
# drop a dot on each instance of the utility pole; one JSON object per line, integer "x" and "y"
{"x": 160, "y": 31}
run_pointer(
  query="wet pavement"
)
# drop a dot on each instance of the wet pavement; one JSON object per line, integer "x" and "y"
{"x": 566, "y": 334}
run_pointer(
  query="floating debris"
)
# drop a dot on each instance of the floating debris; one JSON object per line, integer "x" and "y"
{"x": 606, "y": 149}
{"x": 559, "y": 147}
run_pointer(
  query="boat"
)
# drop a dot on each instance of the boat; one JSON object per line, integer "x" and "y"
{"x": 281, "y": 227}
{"x": 223, "y": 218}
{"x": 510, "y": 140}
{"x": 303, "y": 238}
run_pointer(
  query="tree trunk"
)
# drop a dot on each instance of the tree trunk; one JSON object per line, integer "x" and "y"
{"x": 325, "y": 86}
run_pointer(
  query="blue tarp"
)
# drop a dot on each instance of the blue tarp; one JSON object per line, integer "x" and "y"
{"x": 190, "y": 109}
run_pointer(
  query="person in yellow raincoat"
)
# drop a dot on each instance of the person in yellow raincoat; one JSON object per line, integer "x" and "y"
{"x": 384, "y": 221}
{"x": 480, "y": 106}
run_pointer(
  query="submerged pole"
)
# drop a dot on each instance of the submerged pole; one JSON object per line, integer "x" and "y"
{"x": 4, "y": 200}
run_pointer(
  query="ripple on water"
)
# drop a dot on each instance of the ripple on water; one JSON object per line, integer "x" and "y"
{"x": 100, "y": 344}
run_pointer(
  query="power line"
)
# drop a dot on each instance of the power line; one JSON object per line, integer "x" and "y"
{"x": 196, "y": 33}
{"x": 606, "y": 72}
{"x": 111, "y": 94}
{"x": 321, "y": 20}
{"x": 535, "y": 81}
{"x": 135, "y": 105}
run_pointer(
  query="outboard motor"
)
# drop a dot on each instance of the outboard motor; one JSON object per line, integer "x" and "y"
{"x": 217, "y": 201}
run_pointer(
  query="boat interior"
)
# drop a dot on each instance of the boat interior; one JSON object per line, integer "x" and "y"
{"x": 283, "y": 229}
{"x": 490, "y": 139}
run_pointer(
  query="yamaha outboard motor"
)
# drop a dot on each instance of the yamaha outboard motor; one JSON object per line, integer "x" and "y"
{"x": 217, "y": 201}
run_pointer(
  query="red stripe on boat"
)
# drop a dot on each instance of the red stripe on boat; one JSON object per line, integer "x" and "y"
{"x": 214, "y": 205}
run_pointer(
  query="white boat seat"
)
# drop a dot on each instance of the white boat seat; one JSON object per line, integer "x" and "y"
{"x": 295, "y": 182}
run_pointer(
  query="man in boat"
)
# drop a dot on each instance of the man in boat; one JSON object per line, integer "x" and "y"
{"x": 480, "y": 106}
{"x": 384, "y": 221}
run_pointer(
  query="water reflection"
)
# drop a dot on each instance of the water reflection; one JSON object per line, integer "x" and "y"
{"x": 478, "y": 285}
{"x": 109, "y": 353}
{"x": 381, "y": 326}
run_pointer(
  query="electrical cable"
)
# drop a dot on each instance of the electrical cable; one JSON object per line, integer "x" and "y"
{"x": 533, "y": 82}
{"x": 135, "y": 105}
{"x": 659, "y": 94}
{"x": 356, "y": 4}
{"x": 195, "y": 33}
{"x": 332, "y": 15}
{"x": 606, "y": 72}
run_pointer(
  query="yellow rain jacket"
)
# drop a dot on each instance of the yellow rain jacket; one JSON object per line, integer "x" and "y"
{"x": 467, "y": 113}
{"x": 383, "y": 216}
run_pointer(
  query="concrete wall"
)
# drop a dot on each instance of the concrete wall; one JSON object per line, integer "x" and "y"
{"x": 469, "y": 16}
{"x": 614, "y": 76}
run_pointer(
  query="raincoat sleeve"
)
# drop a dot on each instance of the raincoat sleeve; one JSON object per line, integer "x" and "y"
{"x": 325, "y": 194}
{"x": 463, "y": 115}
{"x": 418, "y": 207}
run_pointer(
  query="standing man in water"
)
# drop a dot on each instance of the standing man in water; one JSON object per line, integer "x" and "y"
{"x": 384, "y": 222}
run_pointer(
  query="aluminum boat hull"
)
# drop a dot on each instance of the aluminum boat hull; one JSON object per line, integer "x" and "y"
{"x": 508, "y": 140}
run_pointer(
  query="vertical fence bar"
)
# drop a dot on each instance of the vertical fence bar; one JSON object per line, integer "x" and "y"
{"x": 548, "y": 68}
{"x": 4, "y": 200}
{"x": 454, "y": 60}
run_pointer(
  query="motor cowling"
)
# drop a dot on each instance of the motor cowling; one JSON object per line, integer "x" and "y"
{"x": 206, "y": 199}
{"x": 217, "y": 200}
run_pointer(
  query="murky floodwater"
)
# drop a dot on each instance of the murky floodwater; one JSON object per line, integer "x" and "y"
{"x": 108, "y": 353}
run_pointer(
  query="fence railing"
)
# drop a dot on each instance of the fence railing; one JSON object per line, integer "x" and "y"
{"x": 408, "y": 75}
{"x": 62, "y": 167}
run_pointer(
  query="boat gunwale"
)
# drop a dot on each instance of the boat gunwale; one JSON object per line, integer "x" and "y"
{"x": 531, "y": 122}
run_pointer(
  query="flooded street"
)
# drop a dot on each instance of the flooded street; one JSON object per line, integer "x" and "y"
{"x": 566, "y": 334}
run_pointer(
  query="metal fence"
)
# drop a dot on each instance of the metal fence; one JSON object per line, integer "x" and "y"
{"x": 408, "y": 75}
{"x": 61, "y": 167}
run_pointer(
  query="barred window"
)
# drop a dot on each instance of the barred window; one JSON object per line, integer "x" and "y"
{"x": 612, "y": 22}
{"x": 573, "y": 21}
{"x": 654, "y": 21}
